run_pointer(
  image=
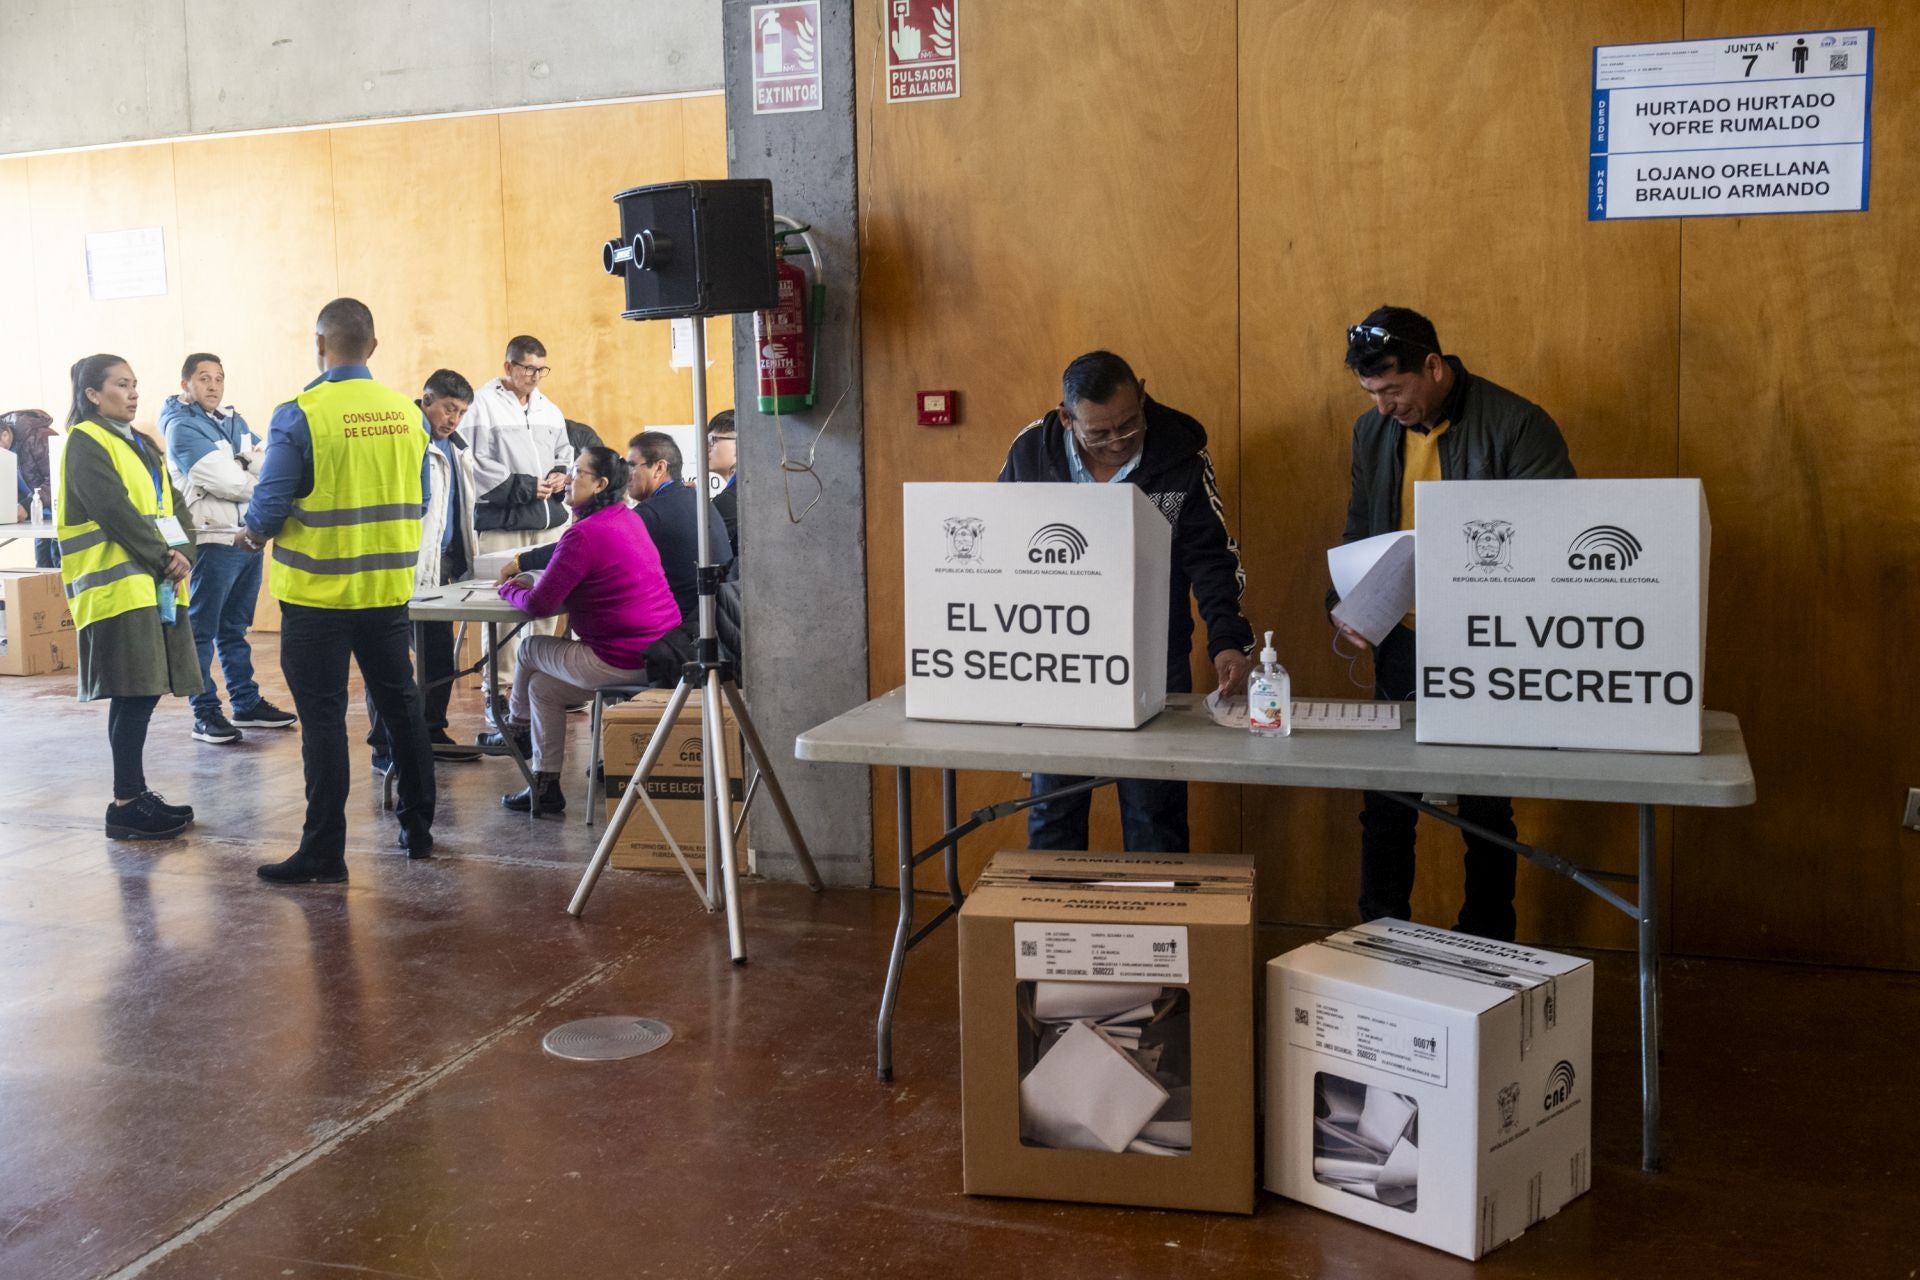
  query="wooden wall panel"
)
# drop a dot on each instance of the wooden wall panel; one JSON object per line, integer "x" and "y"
{"x": 20, "y": 379}
{"x": 559, "y": 171}
{"x": 72, "y": 195}
{"x": 417, "y": 216}
{"x": 1798, "y": 353}
{"x": 1079, "y": 195}
{"x": 1430, "y": 156}
{"x": 257, "y": 261}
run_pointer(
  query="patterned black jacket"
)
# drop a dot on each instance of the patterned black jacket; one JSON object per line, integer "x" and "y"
{"x": 1177, "y": 475}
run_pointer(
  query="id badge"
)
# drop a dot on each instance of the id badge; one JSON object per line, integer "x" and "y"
{"x": 171, "y": 530}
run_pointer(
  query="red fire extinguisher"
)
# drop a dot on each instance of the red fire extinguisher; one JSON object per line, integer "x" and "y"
{"x": 785, "y": 337}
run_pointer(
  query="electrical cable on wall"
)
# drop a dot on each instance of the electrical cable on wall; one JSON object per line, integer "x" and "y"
{"x": 791, "y": 466}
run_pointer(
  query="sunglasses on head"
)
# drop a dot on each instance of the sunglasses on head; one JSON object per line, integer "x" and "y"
{"x": 1372, "y": 337}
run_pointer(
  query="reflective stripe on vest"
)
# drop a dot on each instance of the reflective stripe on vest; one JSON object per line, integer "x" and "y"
{"x": 101, "y": 580}
{"x": 352, "y": 543}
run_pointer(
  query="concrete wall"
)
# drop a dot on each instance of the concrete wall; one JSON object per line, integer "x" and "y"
{"x": 79, "y": 73}
{"x": 805, "y": 584}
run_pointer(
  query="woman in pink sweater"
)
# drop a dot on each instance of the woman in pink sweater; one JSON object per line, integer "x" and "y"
{"x": 605, "y": 575}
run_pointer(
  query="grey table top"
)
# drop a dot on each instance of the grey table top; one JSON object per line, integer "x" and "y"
{"x": 475, "y": 601}
{"x": 1182, "y": 742}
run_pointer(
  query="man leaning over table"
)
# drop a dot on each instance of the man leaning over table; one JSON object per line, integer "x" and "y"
{"x": 1107, "y": 430}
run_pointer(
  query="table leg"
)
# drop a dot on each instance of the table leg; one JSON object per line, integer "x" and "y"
{"x": 1649, "y": 913}
{"x": 897, "y": 962}
{"x": 949, "y": 819}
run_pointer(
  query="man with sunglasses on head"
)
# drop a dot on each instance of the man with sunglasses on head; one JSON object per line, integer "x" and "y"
{"x": 1107, "y": 430}
{"x": 1431, "y": 420}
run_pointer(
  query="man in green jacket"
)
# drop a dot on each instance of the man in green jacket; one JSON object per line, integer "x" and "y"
{"x": 1431, "y": 420}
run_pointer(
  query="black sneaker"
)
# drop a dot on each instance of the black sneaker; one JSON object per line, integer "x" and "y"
{"x": 416, "y": 849}
{"x": 211, "y": 726}
{"x": 182, "y": 811}
{"x": 300, "y": 869}
{"x": 495, "y": 744}
{"x": 142, "y": 819}
{"x": 264, "y": 715}
{"x": 445, "y": 748}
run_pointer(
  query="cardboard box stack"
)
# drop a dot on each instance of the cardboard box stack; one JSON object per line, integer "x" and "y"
{"x": 1106, "y": 1029}
{"x": 1428, "y": 1083}
{"x": 39, "y": 637}
{"x": 676, "y": 785}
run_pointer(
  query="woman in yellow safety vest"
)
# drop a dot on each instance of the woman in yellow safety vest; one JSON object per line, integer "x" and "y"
{"x": 124, "y": 546}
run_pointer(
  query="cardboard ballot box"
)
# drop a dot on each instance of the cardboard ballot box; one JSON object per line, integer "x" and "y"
{"x": 677, "y": 785}
{"x": 1106, "y": 1029}
{"x": 1036, "y": 604}
{"x": 1429, "y": 1083}
{"x": 1562, "y": 613}
{"x": 38, "y": 634}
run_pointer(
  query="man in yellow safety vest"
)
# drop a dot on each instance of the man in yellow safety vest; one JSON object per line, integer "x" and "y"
{"x": 341, "y": 493}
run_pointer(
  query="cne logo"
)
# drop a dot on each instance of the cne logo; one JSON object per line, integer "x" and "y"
{"x": 1056, "y": 544}
{"x": 690, "y": 750}
{"x": 1559, "y": 1085}
{"x": 1605, "y": 548}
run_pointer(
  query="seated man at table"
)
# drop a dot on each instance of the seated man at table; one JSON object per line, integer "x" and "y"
{"x": 1431, "y": 420}
{"x": 1107, "y": 430}
{"x": 605, "y": 575}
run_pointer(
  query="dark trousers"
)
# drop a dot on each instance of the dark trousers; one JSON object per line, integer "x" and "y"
{"x": 315, "y": 645}
{"x": 1387, "y": 828}
{"x": 127, "y": 720}
{"x": 225, "y": 587}
{"x": 436, "y": 660}
{"x": 1153, "y": 814}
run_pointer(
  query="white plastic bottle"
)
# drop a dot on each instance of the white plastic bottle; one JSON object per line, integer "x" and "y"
{"x": 1270, "y": 696}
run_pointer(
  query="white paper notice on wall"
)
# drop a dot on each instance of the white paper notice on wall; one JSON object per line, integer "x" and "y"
{"x": 126, "y": 264}
{"x": 1100, "y": 952}
{"x": 1731, "y": 126}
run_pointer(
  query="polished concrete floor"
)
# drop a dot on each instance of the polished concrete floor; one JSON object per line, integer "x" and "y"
{"x": 207, "y": 1077}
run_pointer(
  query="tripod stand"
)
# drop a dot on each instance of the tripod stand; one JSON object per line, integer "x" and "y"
{"x": 712, "y": 676}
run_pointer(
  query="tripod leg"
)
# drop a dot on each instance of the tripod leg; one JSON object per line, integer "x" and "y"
{"x": 759, "y": 752}
{"x": 618, "y": 823}
{"x": 719, "y": 786}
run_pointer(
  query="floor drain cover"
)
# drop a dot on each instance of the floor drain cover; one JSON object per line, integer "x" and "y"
{"x": 606, "y": 1039}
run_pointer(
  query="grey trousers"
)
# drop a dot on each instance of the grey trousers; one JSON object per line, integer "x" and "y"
{"x": 552, "y": 673}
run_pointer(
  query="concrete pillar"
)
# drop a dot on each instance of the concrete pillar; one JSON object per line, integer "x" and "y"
{"x": 805, "y": 585}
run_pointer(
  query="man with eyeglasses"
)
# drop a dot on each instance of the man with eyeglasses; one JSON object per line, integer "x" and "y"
{"x": 518, "y": 439}
{"x": 1431, "y": 420}
{"x": 1107, "y": 430}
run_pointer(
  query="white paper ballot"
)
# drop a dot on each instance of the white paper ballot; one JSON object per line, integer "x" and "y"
{"x": 1351, "y": 561}
{"x": 1088, "y": 1095}
{"x": 1231, "y": 713}
{"x": 1384, "y": 595}
{"x": 1054, "y": 1001}
{"x": 1384, "y": 1119}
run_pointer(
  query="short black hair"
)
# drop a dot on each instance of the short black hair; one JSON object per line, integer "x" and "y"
{"x": 523, "y": 345}
{"x": 721, "y": 424}
{"x": 1412, "y": 340}
{"x": 1094, "y": 377}
{"x": 197, "y": 359}
{"x": 658, "y": 446}
{"x": 348, "y": 326}
{"x": 445, "y": 384}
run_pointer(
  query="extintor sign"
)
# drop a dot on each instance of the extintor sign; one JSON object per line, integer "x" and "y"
{"x": 786, "y": 57}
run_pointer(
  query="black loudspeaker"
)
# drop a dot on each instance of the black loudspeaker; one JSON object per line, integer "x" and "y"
{"x": 695, "y": 249}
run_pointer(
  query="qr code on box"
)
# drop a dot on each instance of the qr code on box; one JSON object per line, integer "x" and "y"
{"x": 1836, "y": 62}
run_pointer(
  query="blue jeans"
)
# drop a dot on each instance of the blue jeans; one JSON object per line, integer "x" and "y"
{"x": 1153, "y": 815}
{"x": 221, "y": 596}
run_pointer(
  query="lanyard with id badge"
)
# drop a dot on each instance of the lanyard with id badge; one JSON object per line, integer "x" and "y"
{"x": 170, "y": 529}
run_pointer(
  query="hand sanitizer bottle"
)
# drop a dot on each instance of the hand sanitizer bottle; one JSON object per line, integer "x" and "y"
{"x": 1270, "y": 696}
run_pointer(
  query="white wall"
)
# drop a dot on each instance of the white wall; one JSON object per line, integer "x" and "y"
{"x": 79, "y": 73}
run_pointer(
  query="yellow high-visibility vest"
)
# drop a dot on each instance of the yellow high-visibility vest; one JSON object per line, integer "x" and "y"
{"x": 101, "y": 580}
{"x": 353, "y": 541}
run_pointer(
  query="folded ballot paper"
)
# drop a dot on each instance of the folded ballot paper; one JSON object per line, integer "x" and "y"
{"x": 1106, "y": 1009}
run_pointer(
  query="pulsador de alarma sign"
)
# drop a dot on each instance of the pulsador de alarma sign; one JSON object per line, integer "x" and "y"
{"x": 1036, "y": 604}
{"x": 1561, "y": 613}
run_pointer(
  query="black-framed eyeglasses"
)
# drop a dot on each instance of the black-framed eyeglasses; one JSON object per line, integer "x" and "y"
{"x": 535, "y": 371}
{"x": 1372, "y": 337}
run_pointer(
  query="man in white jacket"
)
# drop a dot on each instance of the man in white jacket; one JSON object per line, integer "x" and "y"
{"x": 215, "y": 458}
{"x": 520, "y": 453}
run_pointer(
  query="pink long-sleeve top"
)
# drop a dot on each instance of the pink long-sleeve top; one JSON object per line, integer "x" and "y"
{"x": 606, "y": 576}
